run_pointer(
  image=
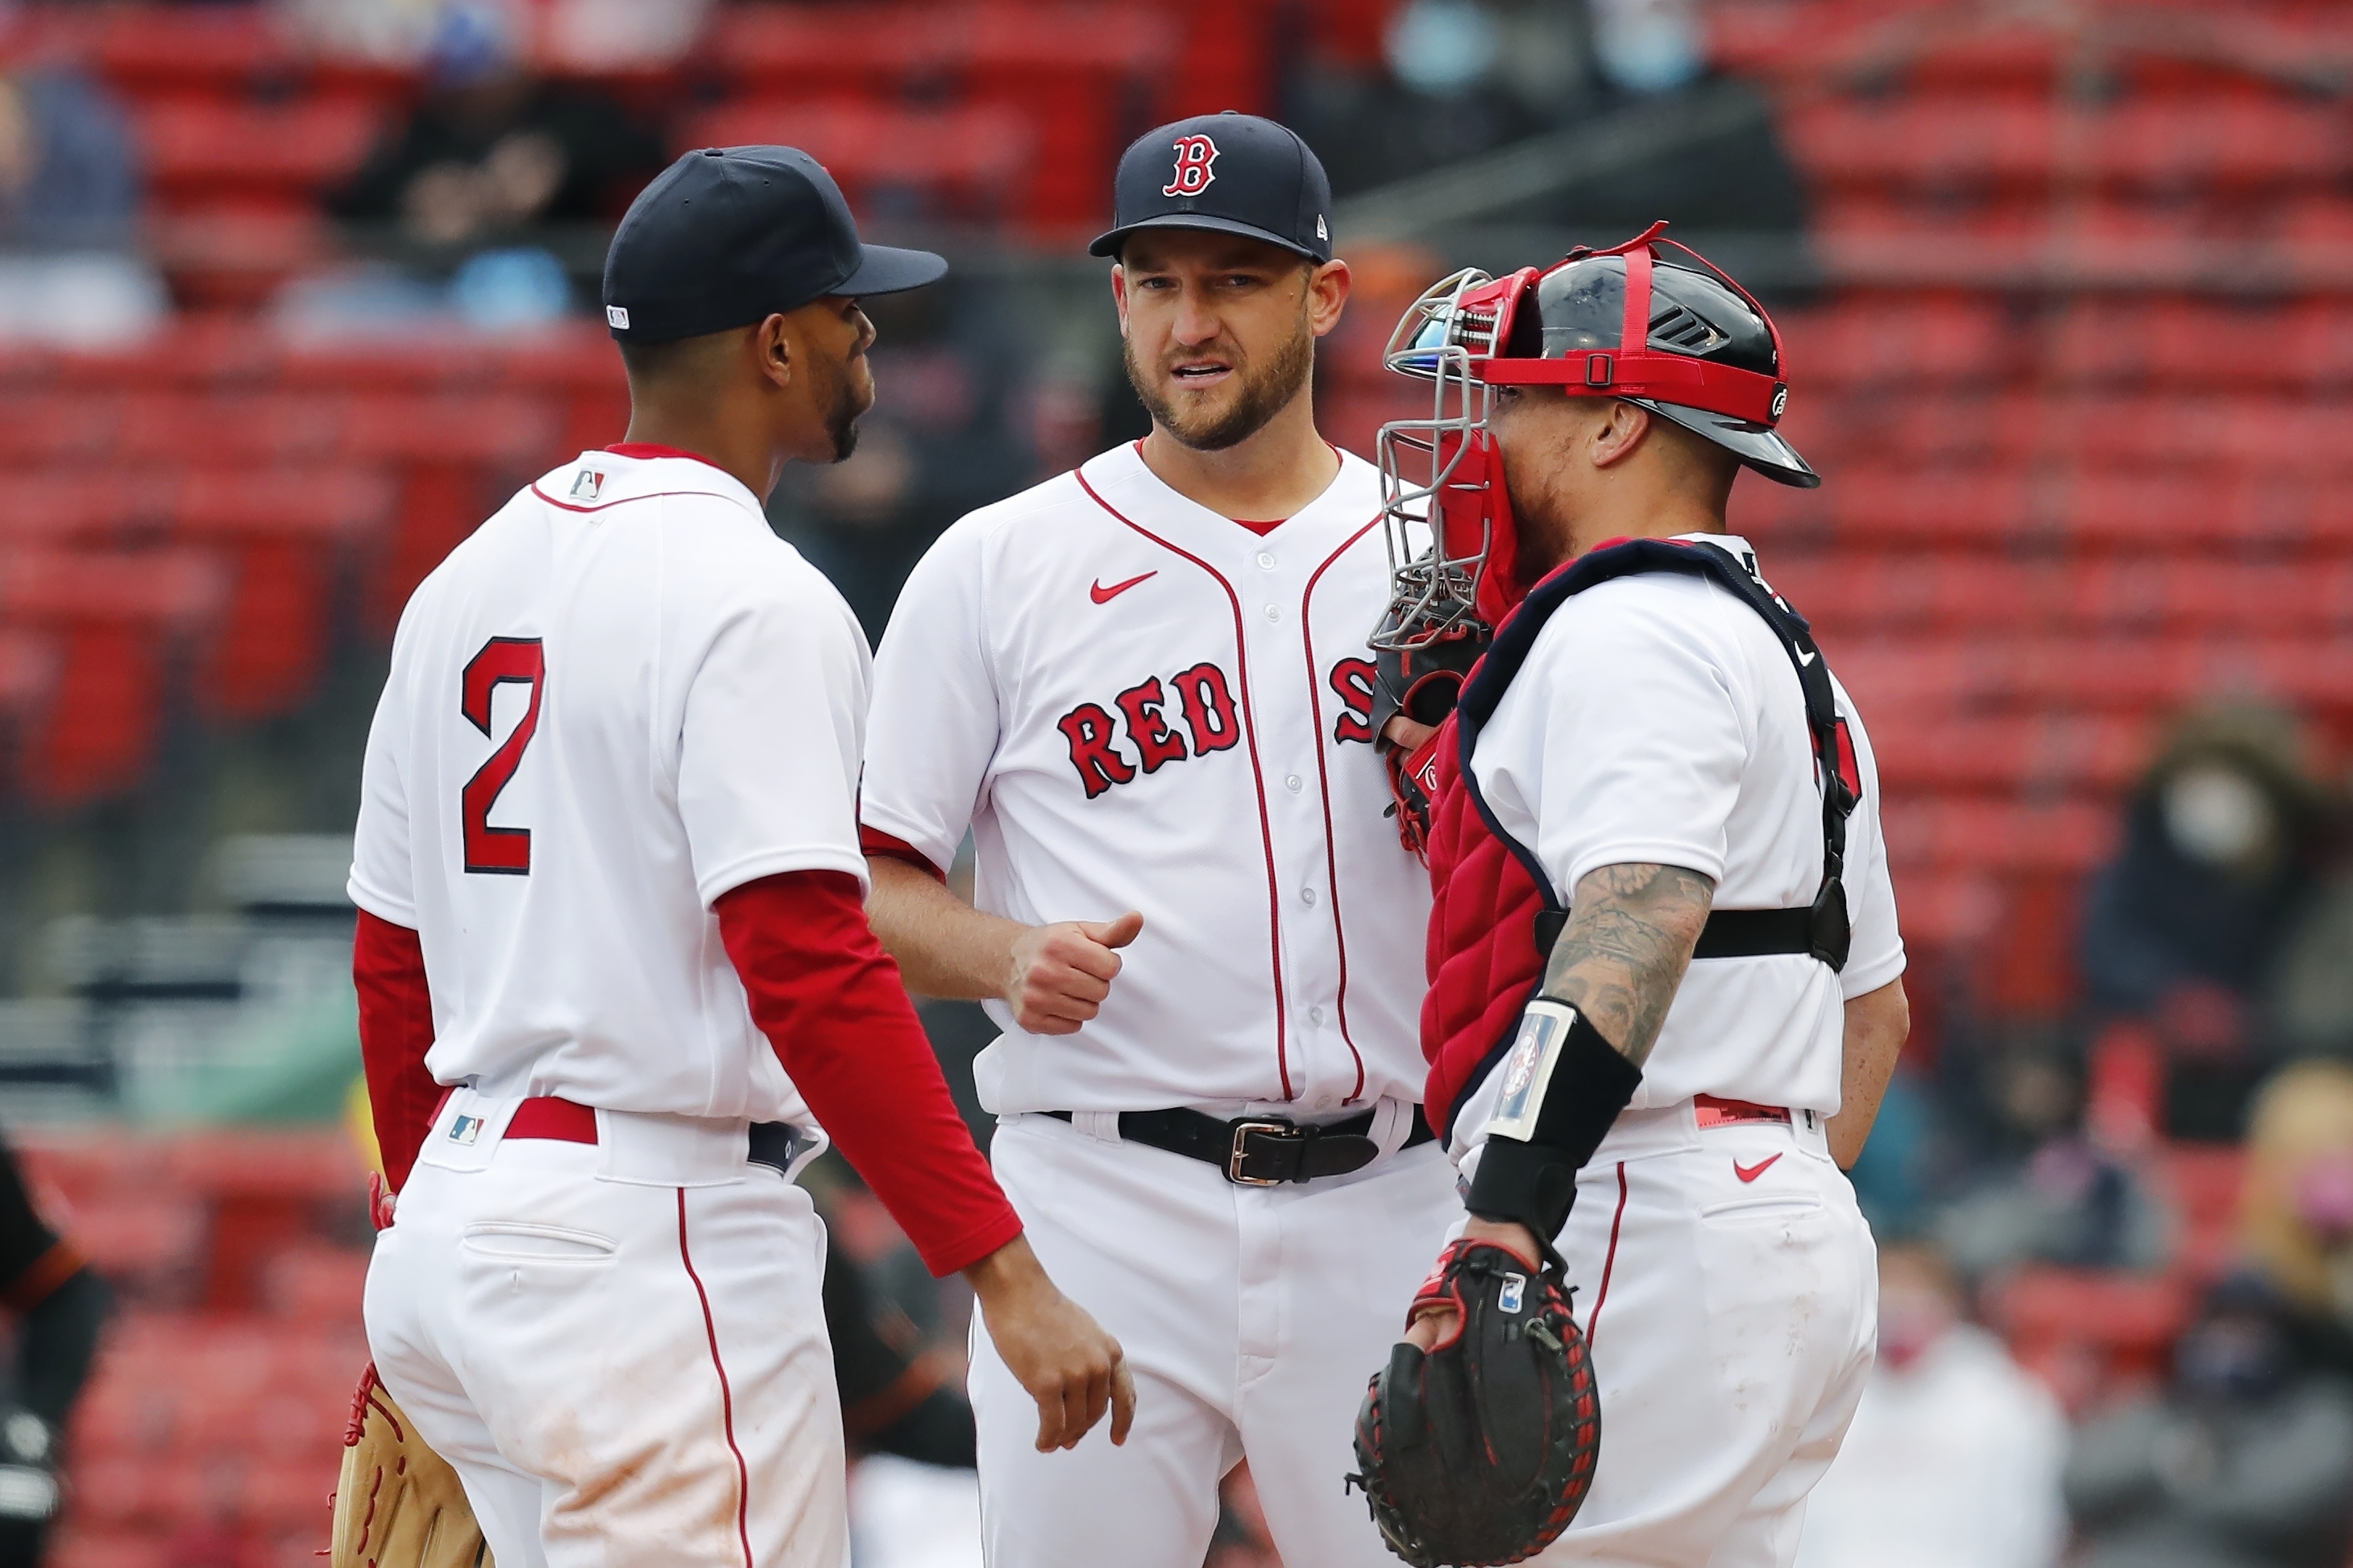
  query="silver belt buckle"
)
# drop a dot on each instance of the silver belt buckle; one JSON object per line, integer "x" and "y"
{"x": 1242, "y": 1129}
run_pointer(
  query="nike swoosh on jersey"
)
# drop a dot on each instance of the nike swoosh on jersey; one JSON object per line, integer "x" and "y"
{"x": 1102, "y": 595}
{"x": 1750, "y": 1172}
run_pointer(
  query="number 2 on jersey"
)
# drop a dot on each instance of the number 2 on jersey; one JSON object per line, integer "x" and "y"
{"x": 505, "y": 851}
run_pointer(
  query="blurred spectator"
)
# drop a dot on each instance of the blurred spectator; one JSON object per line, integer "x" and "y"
{"x": 68, "y": 180}
{"x": 1954, "y": 1458}
{"x": 2246, "y": 1462}
{"x": 2042, "y": 1188}
{"x": 1455, "y": 78}
{"x": 2247, "y": 1458}
{"x": 2298, "y": 1231}
{"x": 570, "y": 35}
{"x": 58, "y": 1305}
{"x": 495, "y": 155}
{"x": 944, "y": 439}
{"x": 70, "y": 195}
{"x": 2182, "y": 929}
{"x": 1644, "y": 47}
{"x": 2308, "y": 1001}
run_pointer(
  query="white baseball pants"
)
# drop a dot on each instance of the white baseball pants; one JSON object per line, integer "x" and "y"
{"x": 1252, "y": 1319}
{"x": 627, "y": 1372}
{"x": 1730, "y": 1291}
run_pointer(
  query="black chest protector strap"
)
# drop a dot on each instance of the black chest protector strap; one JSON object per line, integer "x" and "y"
{"x": 1820, "y": 928}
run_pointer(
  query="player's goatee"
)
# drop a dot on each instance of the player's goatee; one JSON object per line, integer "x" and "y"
{"x": 842, "y": 416}
{"x": 1264, "y": 394}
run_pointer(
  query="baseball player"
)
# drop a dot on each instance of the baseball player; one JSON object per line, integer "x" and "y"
{"x": 1665, "y": 994}
{"x": 617, "y": 985}
{"x": 1145, "y": 689}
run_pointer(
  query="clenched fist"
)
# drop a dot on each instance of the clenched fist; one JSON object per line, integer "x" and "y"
{"x": 1061, "y": 972}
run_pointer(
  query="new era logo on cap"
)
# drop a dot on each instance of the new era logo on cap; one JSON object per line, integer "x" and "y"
{"x": 1194, "y": 154}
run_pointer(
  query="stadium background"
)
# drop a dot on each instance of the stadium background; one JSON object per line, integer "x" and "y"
{"x": 2068, "y": 295}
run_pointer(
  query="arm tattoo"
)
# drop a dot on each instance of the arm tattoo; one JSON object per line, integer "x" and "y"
{"x": 1630, "y": 936}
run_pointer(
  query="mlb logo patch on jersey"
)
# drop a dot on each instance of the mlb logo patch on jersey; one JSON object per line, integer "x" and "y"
{"x": 465, "y": 1130}
{"x": 586, "y": 483}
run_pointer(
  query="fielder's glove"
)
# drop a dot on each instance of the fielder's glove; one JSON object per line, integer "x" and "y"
{"x": 398, "y": 1504}
{"x": 1480, "y": 1451}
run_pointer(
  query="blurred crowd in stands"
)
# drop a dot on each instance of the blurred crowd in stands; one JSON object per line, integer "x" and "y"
{"x": 2082, "y": 553}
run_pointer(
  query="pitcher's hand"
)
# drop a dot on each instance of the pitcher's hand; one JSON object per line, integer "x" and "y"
{"x": 1053, "y": 1348}
{"x": 1061, "y": 972}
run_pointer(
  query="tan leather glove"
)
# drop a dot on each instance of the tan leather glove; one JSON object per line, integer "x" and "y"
{"x": 399, "y": 1504}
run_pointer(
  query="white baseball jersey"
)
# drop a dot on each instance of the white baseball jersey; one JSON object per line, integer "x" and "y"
{"x": 622, "y": 697}
{"x": 1136, "y": 703}
{"x": 1658, "y": 720}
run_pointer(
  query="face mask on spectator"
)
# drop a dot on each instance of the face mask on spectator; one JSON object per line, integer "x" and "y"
{"x": 2216, "y": 815}
{"x": 1911, "y": 1320}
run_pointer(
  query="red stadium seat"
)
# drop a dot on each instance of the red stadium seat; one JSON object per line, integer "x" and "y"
{"x": 281, "y": 530}
{"x": 113, "y": 621}
{"x": 968, "y": 162}
{"x": 198, "y": 150}
{"x": 1944, "y": 140}
{"x": 1906, "y": 341}
{"x": 186, "y": 51}
{"x": 2087, "y": 1330}
{"x": 843, "y": 52}
{"x": 1096, "y": 66}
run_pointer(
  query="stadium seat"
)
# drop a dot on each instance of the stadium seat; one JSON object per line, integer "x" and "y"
{"x": 113, "y": 622}
{"x": 970, "y": 162}
{"x": 189, "y": 51}
{"x": 842, "y": 52}
{"x": 280, "y": 531}
{"x": 2204, "y": 1183}
{"x": 199, "y": 150}
{"x": 2091, "y": 1332}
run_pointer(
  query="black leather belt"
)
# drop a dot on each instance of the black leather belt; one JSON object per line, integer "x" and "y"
{"x": 1262, "y": 1150}
{"x": 776, "y": 1144}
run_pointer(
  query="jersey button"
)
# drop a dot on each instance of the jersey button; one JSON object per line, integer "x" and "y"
{"x": 1274, "y": 612}
{"x": 1315, "y": 1014}
{"x": 1307, "y": 895}
{"x": 1266, "y": 560}
{"x": 1292, "y": 782}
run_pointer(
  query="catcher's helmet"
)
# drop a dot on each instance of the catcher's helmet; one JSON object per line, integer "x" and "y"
{"x": 1682, "y": 340}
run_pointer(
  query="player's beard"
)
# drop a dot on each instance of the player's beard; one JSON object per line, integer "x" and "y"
{"x": 1265, "y": 393}
{"x": 843, "y": 412}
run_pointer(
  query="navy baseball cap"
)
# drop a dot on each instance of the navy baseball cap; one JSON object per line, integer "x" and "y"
{"x": 727, "y": 235}
{"x": 1234, "y": 173}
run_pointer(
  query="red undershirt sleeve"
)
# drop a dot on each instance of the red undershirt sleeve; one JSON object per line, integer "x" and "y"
{"x": 396, "y": 1031}
{"x": 873, "y": 841}
{"x": 831, "y": 1004}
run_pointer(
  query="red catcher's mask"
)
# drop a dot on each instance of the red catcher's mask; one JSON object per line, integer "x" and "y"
{"x": 1682, "y": 341}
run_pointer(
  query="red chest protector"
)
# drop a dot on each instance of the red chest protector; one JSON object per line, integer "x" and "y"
{"x": 1495, "y": 914}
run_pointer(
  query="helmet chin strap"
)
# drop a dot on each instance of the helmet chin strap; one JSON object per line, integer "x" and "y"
{"x": 1637, "y": 335}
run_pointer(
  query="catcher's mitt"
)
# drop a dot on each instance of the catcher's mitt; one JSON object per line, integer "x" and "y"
{"x": 1480, "y": 1451}
{"x": 1420, "y": 680}
{"x": 398, "y": 1503}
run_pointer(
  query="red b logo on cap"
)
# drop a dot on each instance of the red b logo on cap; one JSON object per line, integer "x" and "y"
{"x": 1194, "y": 157}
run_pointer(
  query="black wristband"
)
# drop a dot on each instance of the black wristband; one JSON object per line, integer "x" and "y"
{"x": 1564, "y": 1086}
